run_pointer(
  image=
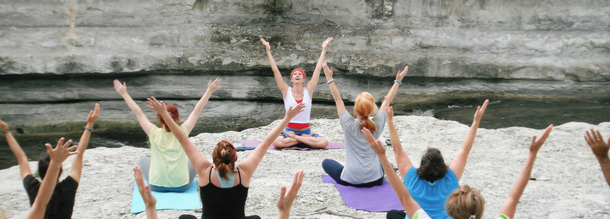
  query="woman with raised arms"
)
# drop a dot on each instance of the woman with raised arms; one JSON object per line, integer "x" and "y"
{"x": 362, "y": 168}
{"x": 223, "y": 184}
{"x": 167, "y": 169}
{"x": 298, "y": 132}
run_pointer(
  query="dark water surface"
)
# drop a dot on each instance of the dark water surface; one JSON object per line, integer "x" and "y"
{"x": 499, "y": 114}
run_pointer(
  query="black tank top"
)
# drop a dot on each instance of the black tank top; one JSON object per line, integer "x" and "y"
{"x": 221, "y": 203}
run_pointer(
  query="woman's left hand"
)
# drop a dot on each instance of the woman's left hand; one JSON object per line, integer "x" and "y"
{"x": 157, "y": 106}
{"x": 326, "y": 42}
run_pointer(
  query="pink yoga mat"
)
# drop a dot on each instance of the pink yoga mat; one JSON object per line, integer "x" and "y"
{"x": 331, "y": 145}
{"x": 374, "y": 199}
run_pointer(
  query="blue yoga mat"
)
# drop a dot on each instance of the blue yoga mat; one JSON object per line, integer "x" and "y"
{"x": 187, "y": 200}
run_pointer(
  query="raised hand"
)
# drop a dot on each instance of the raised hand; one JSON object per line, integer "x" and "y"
{"x": 266, "y": 44}
{"x": 375, "y": 145}
{"x": 597, "y": 144}
{"x": 157, "y": 106}
{"x": 61, "y": 152}
{"x": 93, "y": 114}
{"x": 537, "y": 143}
{"x": 293, "y": 111}
{"x": 284, "y": 203}
{"x": 120, "y": 88}
{"x": 389, "y": 112}
{"x": 401, "y": 74}
{"x": 325, "y": 43}
{"x": 214, "y": 85}
{"x": 480, "y": 111}
{"x": 147, "y": 196}
{"x": 3, "y": 125}
{"x": 327, "y": 72}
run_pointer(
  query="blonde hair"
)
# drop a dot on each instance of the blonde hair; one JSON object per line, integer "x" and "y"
{"x": 465, "y": 202}
{"x": 365, "y": 106}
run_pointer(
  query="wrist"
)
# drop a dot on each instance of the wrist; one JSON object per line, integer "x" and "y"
{"x": 330, "y": 81}
{"x": 398, "y": 81}
{"x": 89, "y": 128}
{"x": 602, "y": 157}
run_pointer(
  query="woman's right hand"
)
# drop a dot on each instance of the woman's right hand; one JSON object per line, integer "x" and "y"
{"x": 401, "y": 74}
{"x": 157, "y": 106}
{"x": 120, "y": 88}
{"x": 375, "y": 145}
{"x": 293, "y": 111}
{"x": 266, "y": 44}
{"x": 214, "y": 85}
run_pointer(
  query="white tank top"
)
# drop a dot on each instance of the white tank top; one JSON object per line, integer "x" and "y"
{"x": 289, "y": 101}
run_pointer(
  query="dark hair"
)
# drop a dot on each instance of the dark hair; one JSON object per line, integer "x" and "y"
{"x": 432, "y": 166}
{"x": 224, "y": 157}
{"x": 173, "y": 112}
{"x": 52, "y": 210}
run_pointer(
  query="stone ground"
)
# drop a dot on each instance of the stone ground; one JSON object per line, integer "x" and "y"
{"x": 575, "y": 187}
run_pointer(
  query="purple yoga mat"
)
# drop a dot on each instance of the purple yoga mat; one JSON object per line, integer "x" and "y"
{"x": 331, "y": 145}
{"x": 375, "y": 199}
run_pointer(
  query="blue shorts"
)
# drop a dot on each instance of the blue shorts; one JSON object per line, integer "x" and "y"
{"x": 306, "y": 131}
{"x": 300, "y": 145}
{"x": 169, "y": 189}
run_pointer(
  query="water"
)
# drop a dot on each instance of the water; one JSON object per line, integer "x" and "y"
{"x": 499, "y": 114}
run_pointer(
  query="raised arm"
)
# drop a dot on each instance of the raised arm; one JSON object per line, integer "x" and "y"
{"x": 22, "y": 159}
{"x": 192, "y": 119}
{"x": 249, "y": 164}
{"x": 197, "y": 159}
{"x": 281, "y": 84}
{"x": 311, "y": 85}
{"x": 77, "y": 164}
{"x": 600, "y": 149}
{"x": 510, "y": 204}
{"x": 459, "y": 161}
{"x": 286, "y": 198}
{"x": 392, "y": 93}
{"x": 402, "y": 160}
{"x": 150, "y": 202}
{"x": 333, "y": 88}
{"x": 58, "y": 156}
{"x": 122, "y": 90}
{"x": 400, "y": 189}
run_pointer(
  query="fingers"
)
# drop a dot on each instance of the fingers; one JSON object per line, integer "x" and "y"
{"x": 546, "y": 133}
{"x": 280, "y": 201}
{"x": 72, "y": 148}
{"x": 588, "y": 138}
{"x": 534, "y": 140}
{"x": 484, "y": 105}
{"x": 67, "y": 143}
{"x": 599, "y": 136}
{"x": 49, "y": 147}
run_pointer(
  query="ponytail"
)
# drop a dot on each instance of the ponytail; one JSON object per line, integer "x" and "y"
{"x": 224, "y": 157}
{"x": 365, "y": 107}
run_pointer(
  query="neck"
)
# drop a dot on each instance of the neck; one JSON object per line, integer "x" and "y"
{"x": 297, "y": 87}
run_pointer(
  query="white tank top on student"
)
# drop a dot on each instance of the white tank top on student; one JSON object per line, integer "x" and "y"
{"x": 289, "y": 101}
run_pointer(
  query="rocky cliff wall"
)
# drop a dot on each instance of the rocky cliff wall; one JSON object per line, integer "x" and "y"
{"x": 64, "y": 53}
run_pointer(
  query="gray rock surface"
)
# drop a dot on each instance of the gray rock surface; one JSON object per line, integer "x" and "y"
{"x": 68, "y": 51}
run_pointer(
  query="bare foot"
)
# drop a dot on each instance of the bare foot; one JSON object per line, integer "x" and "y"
{"x": 290, "y": 134}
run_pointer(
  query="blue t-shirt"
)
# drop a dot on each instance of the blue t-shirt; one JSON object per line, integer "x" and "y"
{"x": 431, "y": 196}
